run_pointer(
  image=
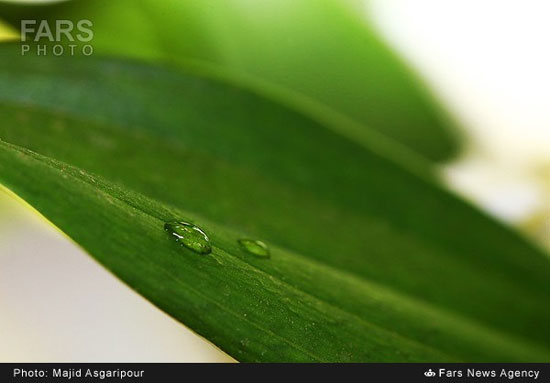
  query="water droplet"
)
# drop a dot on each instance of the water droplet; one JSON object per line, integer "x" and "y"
{"x": 254, "y": 247}
{"x": 189, "y": 236}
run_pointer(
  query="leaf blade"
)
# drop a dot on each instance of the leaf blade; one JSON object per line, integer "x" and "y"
{"x": 205, "y": 318}
{"x": 242, "y": 180}
{"x": 324, "y": 51}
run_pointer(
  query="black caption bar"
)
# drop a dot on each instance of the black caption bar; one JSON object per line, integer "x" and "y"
{"x": 165, "y": 372}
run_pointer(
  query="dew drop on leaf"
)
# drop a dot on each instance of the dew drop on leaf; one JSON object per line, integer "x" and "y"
{"x": 189, "y": 235}
{"x": 254, "y": 247}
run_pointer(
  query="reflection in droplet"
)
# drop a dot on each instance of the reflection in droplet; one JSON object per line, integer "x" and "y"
{"x": 189, "y": 235}
{"x": 254, "y": 247}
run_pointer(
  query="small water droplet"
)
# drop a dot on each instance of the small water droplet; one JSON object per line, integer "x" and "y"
{"x": 254, "y": 247}
{"x": 189, "y": 236}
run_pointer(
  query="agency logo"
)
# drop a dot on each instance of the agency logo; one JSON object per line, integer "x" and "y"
{"x": 429, "y": 373}
{"x": 57, "y": 38}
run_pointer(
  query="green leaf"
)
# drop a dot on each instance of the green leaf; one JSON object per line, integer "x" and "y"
{"x": 370, "y": 260}
{"x": 323, "y": 51}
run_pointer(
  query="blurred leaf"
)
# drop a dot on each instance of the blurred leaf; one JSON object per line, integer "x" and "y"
{"x": 322, "y": 49}
{"x": 371, "y": 261}
{"x": 7, "y": 32}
